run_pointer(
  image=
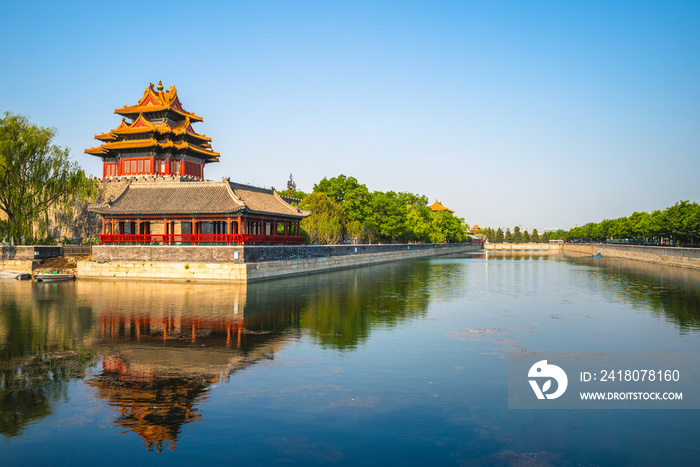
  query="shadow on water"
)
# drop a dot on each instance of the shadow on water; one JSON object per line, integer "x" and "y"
{"x": 162, "y": 345}
{"x": 669, "y": 292}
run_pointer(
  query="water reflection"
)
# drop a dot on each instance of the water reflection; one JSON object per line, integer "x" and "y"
{"x": 669, "y": 292}
{"x": 162, "y": 345}
{"x": 159, "y": 348}
{"x": 43, "y": 346}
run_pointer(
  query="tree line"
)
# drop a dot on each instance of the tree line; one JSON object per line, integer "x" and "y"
{"x": 676, "y": 225}
{"x": 516, "y": 236}
{"x": 344, "y": 210}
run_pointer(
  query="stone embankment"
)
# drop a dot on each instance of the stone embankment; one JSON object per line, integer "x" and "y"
{"x": 221, "y": 263}
{"x": 524, "y": 246}
{"x": 685, "y": 257}
{"x": 23, "y": 259}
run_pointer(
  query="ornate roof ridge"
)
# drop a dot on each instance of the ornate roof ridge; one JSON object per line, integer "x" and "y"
{"x": 154, "y": 101}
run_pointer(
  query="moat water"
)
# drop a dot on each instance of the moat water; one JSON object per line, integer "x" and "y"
{"x": 398, "y": 364}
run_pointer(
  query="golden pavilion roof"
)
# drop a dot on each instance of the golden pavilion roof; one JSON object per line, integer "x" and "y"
{"x": 155, "y": 101}
{"x": 158, "y": 135}
{"x": 143, "y": 125}
{"x": 437, "y": 206}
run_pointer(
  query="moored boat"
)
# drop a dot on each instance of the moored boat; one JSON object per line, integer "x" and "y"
{"x": 53, "y": 277}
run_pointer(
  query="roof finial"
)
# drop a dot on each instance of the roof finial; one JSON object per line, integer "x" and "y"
{"x": 160, "y": 86}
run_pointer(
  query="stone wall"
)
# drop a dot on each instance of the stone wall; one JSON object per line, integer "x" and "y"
{"x": 18, "y": 265}
{"x": 182, "y": 254}
{"x": 30, "y": 252}
{"x": 523, "y": 246}
{"x": 250, "y": 254}
{"x": 178, "y": 269}
{"x": 686, "y": 257}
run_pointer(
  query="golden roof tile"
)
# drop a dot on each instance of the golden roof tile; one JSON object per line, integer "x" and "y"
{"x": 436, "y": 206}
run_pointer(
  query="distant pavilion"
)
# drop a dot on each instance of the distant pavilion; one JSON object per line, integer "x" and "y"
{"x": 160, "y": 159}
{"x": 437, "y": 206}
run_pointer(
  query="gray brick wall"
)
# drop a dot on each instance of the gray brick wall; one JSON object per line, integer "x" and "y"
{"x": 247, "y": 254}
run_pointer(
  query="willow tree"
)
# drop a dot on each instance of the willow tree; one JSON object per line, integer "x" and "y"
{"x": 36, "y": 178}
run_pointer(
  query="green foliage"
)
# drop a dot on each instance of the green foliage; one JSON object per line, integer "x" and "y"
{"x": 680, "y": 223}
{"x": 35, "y": 177}
{"x": 499, "y": 236}
{"x": 517, "y": 235}
{"x": 377, "y": 216}
{"x": 337, "y": 188}
{"x": 325, "y": 226}
{"x": 298, "y": 194}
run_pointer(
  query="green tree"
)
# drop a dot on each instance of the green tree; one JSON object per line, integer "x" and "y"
{"x": 36, "y": 177}
{"x": 387, "y": 217}
{"x": 325, "y": 225}
{"x": 419, "y": 222}
{"x": 535, "y": 236}
{"x": 517, "y": 235}
{"x": 337, "y": 188}
{"x": 499, "y": 236}
{"x": 446, "y": 228}
{"x": 526, "y": 237}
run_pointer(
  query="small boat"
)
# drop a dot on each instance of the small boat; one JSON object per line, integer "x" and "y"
{"x": 21, "y": 276}
{"x": 598, "y": 255}
{"x": 53, "y": 277}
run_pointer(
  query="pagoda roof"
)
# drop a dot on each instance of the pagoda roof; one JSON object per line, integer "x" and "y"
{"x": 180, "y": 146}
{"x": 143, "y": 125}
{"x": 155, "y": 101}
{"x": 263, "y": 200}
{"x": 197, "y": 198}
{"x": 111, "y": 135}
{"x": 437, "y": 206}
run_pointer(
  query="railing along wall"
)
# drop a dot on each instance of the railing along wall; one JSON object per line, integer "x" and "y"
{"x": 198, "y": 239}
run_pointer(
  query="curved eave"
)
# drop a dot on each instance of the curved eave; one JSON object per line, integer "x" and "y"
{"x": 135, "y": 131}
{"x": 193, "y": 135}
{"x": 133, "y": 144}
{"x": 106, "y": 137}
{"x": 98, "y": 151}
{"x": 208, "y": 153}
{"x": 128, "y": 111}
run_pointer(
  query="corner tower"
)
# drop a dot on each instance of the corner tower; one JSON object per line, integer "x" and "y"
{"x": 155, "y": 137}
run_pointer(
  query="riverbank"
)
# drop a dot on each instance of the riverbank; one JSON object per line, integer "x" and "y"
{"x": 246, "y": 264}
{"x": 684, "y": 257}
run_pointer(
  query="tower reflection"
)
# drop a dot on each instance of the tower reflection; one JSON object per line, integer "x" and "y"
{"x": 164, "y": 345}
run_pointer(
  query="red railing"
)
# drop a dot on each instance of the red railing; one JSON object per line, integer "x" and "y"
{"x": 198, "y": 239}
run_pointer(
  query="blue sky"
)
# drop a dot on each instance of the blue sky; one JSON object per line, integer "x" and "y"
{"x": 539, "y": 113}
